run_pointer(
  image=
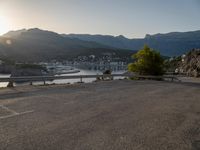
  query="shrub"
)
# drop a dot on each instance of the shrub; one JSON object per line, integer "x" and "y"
{"x": 147, "y": 62}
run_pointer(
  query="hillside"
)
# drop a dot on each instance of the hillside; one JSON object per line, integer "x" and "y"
{"x": 170, "y": 44}
{"x": 188, "y": 63}
{"x": 191, "y": 63}
{"x": 40, "y": 45}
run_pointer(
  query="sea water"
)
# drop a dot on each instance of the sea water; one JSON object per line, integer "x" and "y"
{"x": 65, "y": 81}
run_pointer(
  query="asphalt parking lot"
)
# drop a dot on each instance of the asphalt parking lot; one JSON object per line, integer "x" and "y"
{"x": 110, "y": 115}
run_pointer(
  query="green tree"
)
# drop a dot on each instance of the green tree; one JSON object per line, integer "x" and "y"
{"x": 147, "y": 62}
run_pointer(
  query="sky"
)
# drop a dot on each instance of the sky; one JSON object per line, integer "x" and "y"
{"x": 131, "y": 18}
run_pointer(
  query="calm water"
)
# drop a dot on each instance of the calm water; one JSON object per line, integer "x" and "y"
{"x": 64, "y": 81}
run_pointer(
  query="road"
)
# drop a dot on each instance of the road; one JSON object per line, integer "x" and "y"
{"x": 109, "y": 115}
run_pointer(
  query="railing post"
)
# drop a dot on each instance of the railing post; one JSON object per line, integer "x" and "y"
{"x": 44, "y": 82}
{"x": 81, "y": 79}
{"x": 103, "y": 77}
{"x": 31, "y": 83}
{"x": 10, "y": 84}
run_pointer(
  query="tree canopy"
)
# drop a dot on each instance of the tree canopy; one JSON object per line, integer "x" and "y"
{"x": 147, "y": 62}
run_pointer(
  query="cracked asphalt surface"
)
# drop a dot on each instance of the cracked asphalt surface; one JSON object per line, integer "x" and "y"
{"x": 110, "y": 115}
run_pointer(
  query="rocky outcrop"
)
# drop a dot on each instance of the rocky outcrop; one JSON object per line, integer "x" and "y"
{"x": 6, "y": 69}
{"x": 21, "y": 72}
{"x": 191, "y": 63}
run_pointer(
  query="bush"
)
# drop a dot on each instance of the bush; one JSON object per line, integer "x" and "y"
{"x": 147, "y": 62}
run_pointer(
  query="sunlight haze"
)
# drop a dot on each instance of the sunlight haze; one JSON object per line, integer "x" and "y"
{"x": 132, "y": 18}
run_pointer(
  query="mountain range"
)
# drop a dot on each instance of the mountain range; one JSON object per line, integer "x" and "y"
{"x": 41, "y": 45}
{"x": 169, "y": 44}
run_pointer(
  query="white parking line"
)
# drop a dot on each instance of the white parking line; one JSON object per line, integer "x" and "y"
{"x": 9, "y": 110}
{"x": 18, "y": 114}
{"x": 13, "y": 113}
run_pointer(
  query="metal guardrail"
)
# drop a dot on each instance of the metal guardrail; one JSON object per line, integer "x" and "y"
{"x": 32, "y": 79}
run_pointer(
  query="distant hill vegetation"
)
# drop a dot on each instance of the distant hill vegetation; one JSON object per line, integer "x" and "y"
{"x": 170, "y": 44}
{"x": 40, "y": 45}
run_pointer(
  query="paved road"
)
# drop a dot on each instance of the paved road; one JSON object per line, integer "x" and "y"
{"x": 112, "y": 115}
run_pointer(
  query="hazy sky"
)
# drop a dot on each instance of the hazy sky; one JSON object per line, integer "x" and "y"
{"x": 132, "y": 18}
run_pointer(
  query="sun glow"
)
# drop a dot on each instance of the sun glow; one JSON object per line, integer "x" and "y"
{"x": 4, "y": 25}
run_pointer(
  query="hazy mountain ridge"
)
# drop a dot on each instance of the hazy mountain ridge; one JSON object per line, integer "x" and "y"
{"x": 114, "y": 41}
{"x": 169, "y": 44}
{"x": 12, "y": 34}
{"x": 41, "y": 45}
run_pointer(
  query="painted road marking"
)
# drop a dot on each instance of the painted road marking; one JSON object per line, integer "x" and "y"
{"x": 18, "y": 114}
{"x": 13, "y": 113}
{"x": 9, "y": 110}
